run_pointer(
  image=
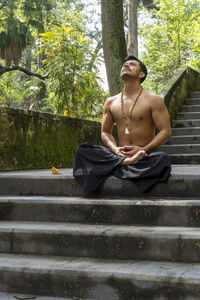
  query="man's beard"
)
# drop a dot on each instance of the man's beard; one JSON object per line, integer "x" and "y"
{"x": 127, "y": 76}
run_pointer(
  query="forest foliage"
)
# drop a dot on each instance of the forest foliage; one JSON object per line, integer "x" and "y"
{"x": 50, "y": 37}
{"x": 62, "y": 41}
{"x": 171, "y": 40}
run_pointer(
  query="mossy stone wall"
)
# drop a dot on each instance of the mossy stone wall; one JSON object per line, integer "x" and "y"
{"x": 178, "y": 88}
{"x": 30, "y": 140}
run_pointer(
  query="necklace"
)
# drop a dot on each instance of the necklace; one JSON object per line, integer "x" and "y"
{"x": 124, "y": 118}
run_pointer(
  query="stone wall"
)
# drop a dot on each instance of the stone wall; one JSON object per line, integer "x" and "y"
{"x": 30, "y": 140}
{"x": 185, "y": 81}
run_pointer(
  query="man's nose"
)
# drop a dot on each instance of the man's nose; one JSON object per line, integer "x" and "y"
{"x": 126, "y": 65}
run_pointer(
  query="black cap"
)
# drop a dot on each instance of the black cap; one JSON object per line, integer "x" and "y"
{"x": 142, "y": 65}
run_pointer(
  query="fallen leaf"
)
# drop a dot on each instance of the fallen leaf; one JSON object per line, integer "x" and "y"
{"x": 55, "y": 171}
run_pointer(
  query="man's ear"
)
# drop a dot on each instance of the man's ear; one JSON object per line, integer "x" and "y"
{"x": 142, "y": 74}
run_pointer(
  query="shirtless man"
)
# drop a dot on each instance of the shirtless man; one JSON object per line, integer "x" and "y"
{"x": 137, "y": 113}
{"x": 149, "y": 112}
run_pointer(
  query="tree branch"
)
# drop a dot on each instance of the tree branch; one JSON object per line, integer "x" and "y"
{"x": 96, "y": 51}
{"x": 149, "y": 4}
{"x": 3, "y": 4}
{"x": 5, "y": 69}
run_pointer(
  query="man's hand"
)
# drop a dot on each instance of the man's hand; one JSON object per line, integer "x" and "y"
{"x": 118, "y": 151}
{"x": 134, "y": 158}
{"x": 132, "y": 150}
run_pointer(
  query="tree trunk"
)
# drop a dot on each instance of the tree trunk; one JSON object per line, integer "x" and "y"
{"x": 132, "y": 28}
{"x": 114, "y": 44}
{"x": 28, "y": 58}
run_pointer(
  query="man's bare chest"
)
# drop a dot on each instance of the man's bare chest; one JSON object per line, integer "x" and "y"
{"x": 141, "y": 112}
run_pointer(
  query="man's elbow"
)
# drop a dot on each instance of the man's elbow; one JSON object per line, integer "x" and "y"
{"x": 168, "y": 133}
{"x": 103, "y": 136}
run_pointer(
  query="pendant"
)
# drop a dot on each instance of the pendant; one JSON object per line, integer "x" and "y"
{"x": 126, "y": 130}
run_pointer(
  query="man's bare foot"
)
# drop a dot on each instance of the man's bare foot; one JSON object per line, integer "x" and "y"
{"x": 134, "y": 158}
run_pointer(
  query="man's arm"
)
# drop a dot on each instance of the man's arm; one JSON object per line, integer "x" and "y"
{"x": 107, "y": 127}
{"x": 161, "y": 120}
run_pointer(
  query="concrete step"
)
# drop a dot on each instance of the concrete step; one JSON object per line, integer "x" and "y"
{"x": 184, "y": 181}
{"x": 188, "y": 115}
{"x": 186, "y": 123}
{"x": 185, "y": 131}
{"x": 14, "y": 296}
{"x": 180, "y": 244}
{"x": 194, "y": 95}
{"x": 187, "y": 159}
{"x": 190, "y": 108}
{"x": 97, "y": 279}
{"x": 39, "y": 182}
{"x": 192, "y": 102}
{"x": 181, "y": 149}
{"x": 184, "y": 139}
{"x": 138, "y": 211}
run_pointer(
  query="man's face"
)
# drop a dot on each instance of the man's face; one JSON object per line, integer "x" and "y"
{"x": 131, "y": 68}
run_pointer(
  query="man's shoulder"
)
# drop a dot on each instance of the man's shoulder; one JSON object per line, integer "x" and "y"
{"x": 153, "y": 96}
{"x": 112, "y": 99}
{"x": 153, "y": 99}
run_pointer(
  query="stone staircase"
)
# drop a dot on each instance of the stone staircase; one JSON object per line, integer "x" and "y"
{"x": 116, "y": 244}
{"x": 73, "y": 247}
{"x": 184, "y": 145}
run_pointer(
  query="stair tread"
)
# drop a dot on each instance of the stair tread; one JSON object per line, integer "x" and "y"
{"x": 183, "y": 139}
{"x": 192, "y": 99}
{"x": 12, "y": 296}
{"x": 153, "y": 201}
{"x": 182, "y": 145}
{"x": 104, "y": 230}
{"x": 140, "y": 270}
{"x": 180, "y": 148}
{"x": 43, "y": 183}
{"x": 68, "y": 172}
{"x": 186, "y": 136}
{"x": 188, "y": 112}
{"x": 186, "y": 154}
{"x": 187, "y": 115}
{"x": 40, "y": 174}
{"x": 180, "y": 131}
{"x": 176, "y": 120}
{"x": 185, "y": 128}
